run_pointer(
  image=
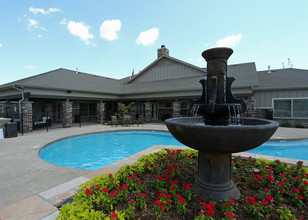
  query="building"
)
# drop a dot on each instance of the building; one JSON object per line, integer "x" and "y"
{"x": 165, "y": 88}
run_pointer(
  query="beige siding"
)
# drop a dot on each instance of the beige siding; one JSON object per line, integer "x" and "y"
{"x": 168, "y": 69}
{"x": 264, "y": 98}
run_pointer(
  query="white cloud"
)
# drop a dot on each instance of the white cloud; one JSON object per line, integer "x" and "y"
{"x": 81, "y": 30}
{"x": 148, "y": 37}
{"x": 63, "y": 21}
{"x": 229, "y": 41}
{"x": 29, "y": 67}
{"x": 43, "y": 11}
{"x": 109, "y": 29}
{"x": 0, "y": 45}
{"x": 33, "y": 24}
{"x": 39, "y": 36}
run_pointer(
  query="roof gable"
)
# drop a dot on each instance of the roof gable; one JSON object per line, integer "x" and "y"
{"x": 165, "y": 68}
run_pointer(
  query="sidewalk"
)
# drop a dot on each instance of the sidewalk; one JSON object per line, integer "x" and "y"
{"x": 26, "y": 179}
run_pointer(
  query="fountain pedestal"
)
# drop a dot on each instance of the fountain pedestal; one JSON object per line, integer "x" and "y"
{"x": 214, "y": 177}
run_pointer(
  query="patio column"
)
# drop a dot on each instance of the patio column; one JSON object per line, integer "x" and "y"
{"x": 176, "y": 109}
{"x": 148, "y": 111}
{"x": 100, "y": 113}
{"x": 67, "y": 114}
{"x": 26, "y": 111}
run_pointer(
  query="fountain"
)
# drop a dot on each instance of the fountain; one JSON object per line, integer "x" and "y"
{"x": 214, "y": 134}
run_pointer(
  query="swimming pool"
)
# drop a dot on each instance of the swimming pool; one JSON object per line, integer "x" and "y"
{"x": 94, "y": 151}
{"x": 289, "y": 149}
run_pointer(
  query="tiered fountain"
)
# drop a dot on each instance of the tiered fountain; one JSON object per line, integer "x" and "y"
{"x": 214, "y": 134}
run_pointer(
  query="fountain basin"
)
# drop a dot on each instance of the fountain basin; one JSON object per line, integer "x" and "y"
{"x": 192, "y": 132}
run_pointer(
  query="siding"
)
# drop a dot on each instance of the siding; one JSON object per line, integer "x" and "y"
{"x": 168, "y": 69}
{"x": 264, "y": 98}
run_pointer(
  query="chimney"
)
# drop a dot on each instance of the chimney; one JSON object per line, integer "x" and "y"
{"x": 162, "y": 51}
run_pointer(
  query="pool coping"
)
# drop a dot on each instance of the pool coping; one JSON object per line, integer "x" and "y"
{"x": 43, "y": 206}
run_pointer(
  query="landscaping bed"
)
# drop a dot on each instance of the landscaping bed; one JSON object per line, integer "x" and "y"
{"x": 159, "y": 186}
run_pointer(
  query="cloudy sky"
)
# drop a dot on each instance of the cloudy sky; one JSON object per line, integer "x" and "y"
{"x": 111, "y": 38}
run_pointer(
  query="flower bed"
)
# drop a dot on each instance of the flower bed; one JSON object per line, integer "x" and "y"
{"x": 159, "y": 185}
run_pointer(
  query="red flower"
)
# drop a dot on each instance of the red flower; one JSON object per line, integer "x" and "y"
{"x": 228, "y": 204}
{"x": 175, "y": 166}
{"x": 168, "y": 202}
{"x": 202, "y": 212}
{"x": 300, "y": 196}
{"x": 182, "y": 200}
{"x": 113, "y": 193}
{"x": 138, "y": 181}
{"x": 170, "y": 167}
{"x": 146, "y": 166}
{"x": 88, "y": 191}
{"x": 281, "y": 190}
{"x": 232, "y": 200}
{"x": 230, "y": 214}
{"x": 175, "y": 182}
{"x": 172, "y": 187}
{"x": 178, "y": 196}
{"x": 110, "y": 175}
{"x": 269, "y": 177}
{"x": 160, "y": 177}
{"x": 130, "y": 177}
{"x": 266, "y": 189}
{"x": 252, "y": 200}
{"x": 105, "y": 189}
{"x": 162, "y": 207}
{"x": 295, "y": 190}
{"x": 157, "y": 202}
{"x": 264, "y": 203}
{"x": 113, "y": 215}
{"x": 131, "y": 201}
{"x": 168, "y": 196}
{"x": 269, "y": 198}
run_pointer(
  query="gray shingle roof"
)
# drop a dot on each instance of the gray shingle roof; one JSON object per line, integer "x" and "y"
{"x": 283, "y": 79}
{"x": 70, "y": 80}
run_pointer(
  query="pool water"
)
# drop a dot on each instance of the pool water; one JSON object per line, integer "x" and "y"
{"x": 97, "y": 150}
{"x": 289, "y": 149}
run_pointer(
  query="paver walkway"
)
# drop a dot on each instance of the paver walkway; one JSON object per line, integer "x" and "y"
{"x": 30, "y": 187}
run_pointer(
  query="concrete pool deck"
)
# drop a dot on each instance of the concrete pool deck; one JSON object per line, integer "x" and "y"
{"x": 31, "y": 188}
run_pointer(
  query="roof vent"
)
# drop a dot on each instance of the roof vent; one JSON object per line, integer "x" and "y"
{"x": 269, "y": 69}
{"x": 77, "y": 70}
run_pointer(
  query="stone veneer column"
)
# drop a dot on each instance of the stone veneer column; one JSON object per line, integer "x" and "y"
{"x": 100, "y": 113}
{"x": 67, "y": 118}
{"x": 26, "y": 110}
{"x": 148, "y": 111}
{"x": 176, "y": 109}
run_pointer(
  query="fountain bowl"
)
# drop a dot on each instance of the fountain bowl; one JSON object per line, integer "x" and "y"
{"x": 192, "y": 132}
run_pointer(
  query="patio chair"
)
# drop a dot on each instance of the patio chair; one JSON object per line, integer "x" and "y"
{"x": 114, "y": 120}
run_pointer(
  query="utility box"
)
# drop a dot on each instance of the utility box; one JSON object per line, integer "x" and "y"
{"x": 10, "y": 129}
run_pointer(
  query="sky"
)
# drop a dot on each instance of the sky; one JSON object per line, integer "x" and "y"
{"x": 114, "y": 38}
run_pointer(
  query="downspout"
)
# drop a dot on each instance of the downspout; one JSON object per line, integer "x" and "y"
{"x": 19, "y": 103}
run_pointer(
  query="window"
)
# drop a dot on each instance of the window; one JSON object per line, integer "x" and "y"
{"x": 300, "y": 108}
{"x": 87, "y": 109}
{"x": 282, "y": 108}
{"x": 290, "y": 108}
